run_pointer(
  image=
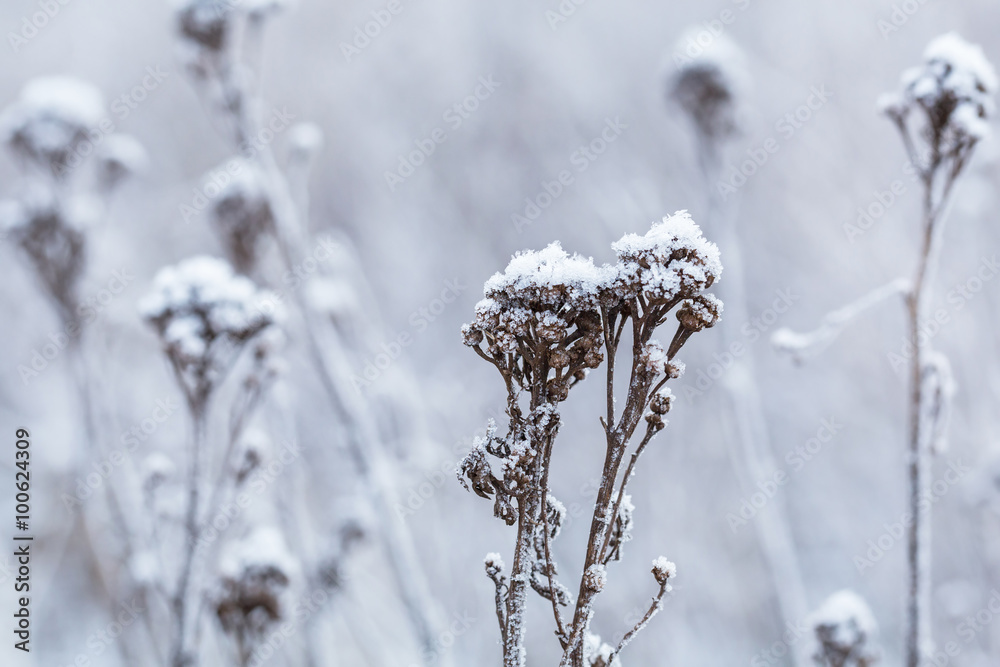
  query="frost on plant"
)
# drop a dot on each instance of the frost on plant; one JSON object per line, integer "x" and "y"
{"x": 50, "y": 119}
{"x": 243, "y": 217}
{"x": 545, "y": 323}
{"x": 953, "y": 89}
{"x": 844, "y": 632}
{"x": 708, "y": 87}
{"x": 254, "y": 577}
{"x": 48, "y": 128}
{"x": 204, "y": 314}
{"x": 941, "y": 113}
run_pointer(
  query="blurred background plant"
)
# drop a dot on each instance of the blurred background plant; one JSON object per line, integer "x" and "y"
{"x": 398, "y": 270}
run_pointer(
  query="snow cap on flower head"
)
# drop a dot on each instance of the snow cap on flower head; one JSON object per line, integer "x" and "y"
{"x": 199, "y": 304}
{"x": 708, "y": 82}
{"x": 844, "y": 626}
{"x": 671, "y": 261}
{"x": 255, "y": 573}
{"x": 955, "y": 87}
{"x": 50, "y": 118}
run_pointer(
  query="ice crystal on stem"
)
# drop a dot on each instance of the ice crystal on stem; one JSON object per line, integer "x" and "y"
{"x": 544, "y": 322}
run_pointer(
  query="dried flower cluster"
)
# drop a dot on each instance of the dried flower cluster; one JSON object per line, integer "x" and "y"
{"x": 941, "y": 114}
{"x": 204, "y": 314}
{"x": 243, "y": 217}
{"x": 254, "y": 577}
{"x": 954, "y": 89}
{"x": 844, "y": 632}
{"x": 708, "y": 86}
{"x": 51, "y": 128}
{"x": 50, "y": 119}
{"x": 544, "y": 323}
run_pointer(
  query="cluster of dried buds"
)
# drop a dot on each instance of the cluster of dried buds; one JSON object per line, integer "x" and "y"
{"x": 204, "y": 315}
{"x": 954, "y": 89}
{"x": 544, "y": 323}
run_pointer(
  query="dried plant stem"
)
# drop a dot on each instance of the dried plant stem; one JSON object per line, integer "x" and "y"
{"x": 750, "y": 445}
{"x": 653, "y": 610}
{"x": 185, "y": 608}
{"x": 328, "y": 353}
{"x": 95, "y": 446}
{"x": 918, "y": 608}
{"x": 617, "y": 436}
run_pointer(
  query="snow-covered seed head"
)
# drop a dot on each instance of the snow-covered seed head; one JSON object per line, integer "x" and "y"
{"x": 242, "y": 216}
{"x": 206, "y": 24}
{"x": 595, "y": 578}
{"x": 661, "y": 401}
{"x": 254, "y": 575}
{"x": 845, "y": 632}
{"x": 708, "y": 86}
{"x": 597, "y": 653}
{"x": 119, "y": 156}
{"x": 494, "y": 564}
{"x": 54, "y": 239}
{"x": 157, "y": 468}
{"x": 204, "y": 314}
{"x": 663, "y": 570}
{"x": 669, "y": 263}
{"x": 701, "y": 312}
{"x": 305, "y": 140}
{"x": 50, "y": 119}
{"x": 547, "y": 302}
{"x": 954, "y": 87}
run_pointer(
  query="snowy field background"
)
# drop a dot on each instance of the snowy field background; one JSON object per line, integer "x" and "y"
{"x": 427, "y": 240}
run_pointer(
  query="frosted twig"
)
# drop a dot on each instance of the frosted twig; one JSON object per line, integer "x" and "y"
{"x": 802, "y": 345}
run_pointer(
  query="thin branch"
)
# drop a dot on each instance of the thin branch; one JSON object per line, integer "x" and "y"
{"x": 802, "y": 345}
